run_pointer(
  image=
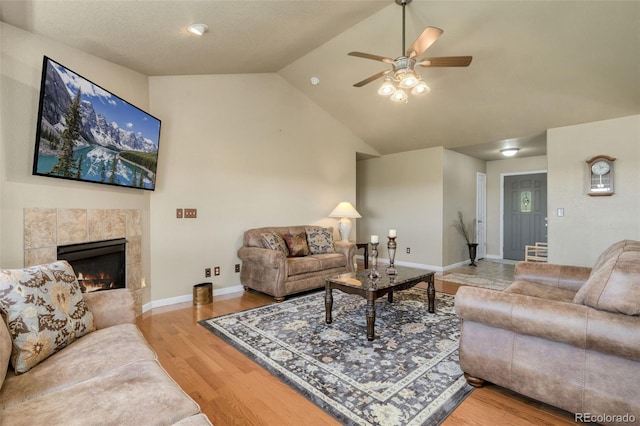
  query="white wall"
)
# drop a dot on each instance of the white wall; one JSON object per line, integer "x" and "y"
{"x": 460, "y": 174}
{"x": 247, "y": 151}
{"x": 418, "y": 193}
{"x": 21, "y": 67}
{"x": 404, "y": 192}
{"x": 591, "y": 224}
{"x": 495, "y": 171}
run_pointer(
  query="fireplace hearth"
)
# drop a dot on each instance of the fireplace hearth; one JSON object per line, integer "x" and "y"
{"x": 99, "y": 265}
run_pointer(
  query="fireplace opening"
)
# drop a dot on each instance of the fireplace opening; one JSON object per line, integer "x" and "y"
{"x": 99, "y": 265}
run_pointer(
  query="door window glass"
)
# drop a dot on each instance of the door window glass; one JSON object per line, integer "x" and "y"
{"x": 525, "y": 202}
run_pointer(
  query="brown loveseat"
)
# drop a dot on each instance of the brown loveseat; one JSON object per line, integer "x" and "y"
{"x": 568, "y": 336}
{"x": 109, "y": 376}
{"x": 281, "y": 272}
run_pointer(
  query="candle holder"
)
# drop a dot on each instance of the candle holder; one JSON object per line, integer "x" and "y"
{"x": 391, "y": 247}
{"x": 373, "y": 273}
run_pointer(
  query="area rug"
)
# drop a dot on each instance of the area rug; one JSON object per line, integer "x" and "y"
{"x": 409, "y": 375}
{"x": 476, "y": 281}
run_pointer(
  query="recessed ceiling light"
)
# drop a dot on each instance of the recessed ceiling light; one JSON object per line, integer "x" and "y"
{"x": 509, "y": 152}
{"x": 198, "y": 29}
{"x": 314, "y": 81}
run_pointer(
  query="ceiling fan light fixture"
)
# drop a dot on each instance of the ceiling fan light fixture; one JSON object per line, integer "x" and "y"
{"x": 420, "y": 88}
{"x": 387, "y": 88}
{"x": 403, "y": 77}
{"x": 399, "y": 96}
{"x": 408, "y": 81}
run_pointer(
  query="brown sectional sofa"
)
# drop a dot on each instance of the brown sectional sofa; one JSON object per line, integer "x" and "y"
{"x": 568, "y": 336}
{"x": 110, "y": 376}
{"x": 272, "y": 272}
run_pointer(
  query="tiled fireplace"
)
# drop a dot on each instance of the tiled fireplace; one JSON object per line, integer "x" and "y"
{"x": 99, "y": 265}
{"x": 47, "y": 229}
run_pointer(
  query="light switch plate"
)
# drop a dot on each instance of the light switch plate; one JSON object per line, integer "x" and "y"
{"x": 190, "y": 213}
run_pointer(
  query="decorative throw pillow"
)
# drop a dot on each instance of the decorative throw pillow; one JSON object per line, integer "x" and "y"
{"x": 297, "y": 244}
{"x": 613, "y": 284}
{"x": 320, "y": 240}
{"x": 44, "y": 311}
{"x": 274, "y": 241}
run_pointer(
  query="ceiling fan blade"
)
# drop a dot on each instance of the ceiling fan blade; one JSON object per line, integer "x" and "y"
{"x": 446, "y": 61}
{"x": 422, "y": 43}
{"x": 370, "y": 56}
{"x": 372, "y": 78}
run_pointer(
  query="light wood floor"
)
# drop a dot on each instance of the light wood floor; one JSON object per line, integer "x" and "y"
{"x": 233, "y": 390}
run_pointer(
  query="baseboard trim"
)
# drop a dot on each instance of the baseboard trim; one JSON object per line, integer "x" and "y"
{"x": 385, "y": 261}
{"x": 188, "y": 298}
{"x": 410, "y": 264}
{"x": 456, "y": 265}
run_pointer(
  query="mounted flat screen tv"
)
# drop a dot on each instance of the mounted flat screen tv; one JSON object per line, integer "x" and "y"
{"x": 87, "y": 133}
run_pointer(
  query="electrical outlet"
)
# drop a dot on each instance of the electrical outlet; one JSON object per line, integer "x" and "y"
{"x": 179, "y": 213}
{"x": 216, "y": 271}
{"x": 237, "y": 267}
{"x": 408, "y": 250}
{"x": 190, "y": 213}
{"x": 207, "y": 272}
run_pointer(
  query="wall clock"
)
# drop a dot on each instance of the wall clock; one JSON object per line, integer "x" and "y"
{"x": 600, "y": 175}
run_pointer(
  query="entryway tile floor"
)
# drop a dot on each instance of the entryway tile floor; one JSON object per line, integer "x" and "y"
{"x": 488, "y": 268}
{"x": 501, "y": 269}
{"x": 497, "y": 269}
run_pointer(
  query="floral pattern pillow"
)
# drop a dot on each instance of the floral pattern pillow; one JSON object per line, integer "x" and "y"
{"x": 44, "y": 311}
{"x": 320, "y": 240}
{"x": 274, "y": 241}
{"x": 297, "y": 244}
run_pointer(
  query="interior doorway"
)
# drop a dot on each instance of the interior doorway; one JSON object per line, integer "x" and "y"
{"x": 524, "y": 213}
{"x": 481, "y": 214}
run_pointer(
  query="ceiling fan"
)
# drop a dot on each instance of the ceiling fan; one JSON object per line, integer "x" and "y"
{"x": 403, "y": 75}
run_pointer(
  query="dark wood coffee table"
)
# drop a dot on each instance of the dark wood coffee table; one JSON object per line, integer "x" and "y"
{"x": 371, "y": 289}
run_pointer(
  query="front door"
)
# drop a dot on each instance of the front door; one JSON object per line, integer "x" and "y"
{"x": 525, "y": 213}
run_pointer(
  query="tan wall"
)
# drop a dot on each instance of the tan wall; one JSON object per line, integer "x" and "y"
{"x": 404, "y": 192}
{"x": 247, "y": 151}
{"x": 460, "y": 173}
{"x": 495, "y": 170}
{"x": 21, "y": 67}
{"x": 591, "y": 224}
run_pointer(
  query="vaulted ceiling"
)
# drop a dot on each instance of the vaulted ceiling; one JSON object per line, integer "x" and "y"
{"x": 536, "y": 64}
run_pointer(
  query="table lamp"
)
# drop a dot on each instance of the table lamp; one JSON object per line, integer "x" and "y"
{"x": 344, "y": 211}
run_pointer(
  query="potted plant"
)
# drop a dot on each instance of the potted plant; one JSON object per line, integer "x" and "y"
{"x": 468, "y": 232}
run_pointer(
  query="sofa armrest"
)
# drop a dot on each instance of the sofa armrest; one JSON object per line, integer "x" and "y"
{"x": 265, "y": 257}
{"x": 111, "y": 307}
{"x": 561, "y": 276}
{"x": 570, "y": 323}
{"x": 349, "y": 250}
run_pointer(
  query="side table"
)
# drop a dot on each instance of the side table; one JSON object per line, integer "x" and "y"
{"x": 364, "y": 246}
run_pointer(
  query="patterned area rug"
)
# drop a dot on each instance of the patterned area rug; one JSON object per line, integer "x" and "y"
{"x": 409, "y": 375}
{"x": 473, "y": 280}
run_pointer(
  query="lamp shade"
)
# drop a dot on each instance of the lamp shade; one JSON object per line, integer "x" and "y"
{"x": 345, "y": 209}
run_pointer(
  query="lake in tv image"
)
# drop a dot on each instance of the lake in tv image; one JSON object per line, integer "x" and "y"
{"x": 87, "y": 133}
